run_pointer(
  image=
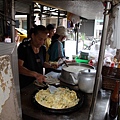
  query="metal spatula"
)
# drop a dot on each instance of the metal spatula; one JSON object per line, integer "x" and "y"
{"x": 52, "y": 88}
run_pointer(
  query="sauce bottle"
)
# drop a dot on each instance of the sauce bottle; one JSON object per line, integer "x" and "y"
{"x": 118, "y": 65}
{"x": 118, "y": 71}
{"x": 114, "y": 101}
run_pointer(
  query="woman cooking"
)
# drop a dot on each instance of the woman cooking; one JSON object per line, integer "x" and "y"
{"x": 31, "y": 57}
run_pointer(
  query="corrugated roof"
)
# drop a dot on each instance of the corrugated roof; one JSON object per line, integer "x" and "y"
{"x": 89, "y": 9}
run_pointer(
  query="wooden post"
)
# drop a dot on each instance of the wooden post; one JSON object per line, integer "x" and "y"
{"x": 58, "y": 18}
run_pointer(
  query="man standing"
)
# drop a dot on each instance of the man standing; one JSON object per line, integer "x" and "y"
{"x": 51, "y": 31}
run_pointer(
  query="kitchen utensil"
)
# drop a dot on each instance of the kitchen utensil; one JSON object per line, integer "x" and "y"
{"x": 80, "y": 95}
{"x": 75, "y": 68}
{"x": 52, "y": 88}
{"x": 86, "y": 80}
{"x": 39, "y": 84}
{"x": 65, "y": 63}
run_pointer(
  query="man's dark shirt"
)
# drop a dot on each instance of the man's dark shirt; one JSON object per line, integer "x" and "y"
{"x": 32, "y": 61}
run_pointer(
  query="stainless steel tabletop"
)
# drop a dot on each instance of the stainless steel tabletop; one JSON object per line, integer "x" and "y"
{"x": 30, "y": 110}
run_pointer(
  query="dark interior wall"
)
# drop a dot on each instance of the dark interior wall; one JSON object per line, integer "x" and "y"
{"x": 87, "y": 27}
{"x": 23, "y": 7}
{"x": 1, "y": 5}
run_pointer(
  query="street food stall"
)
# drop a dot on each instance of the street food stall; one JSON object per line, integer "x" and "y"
{"x": 92, "y": 105}
{"x": 81, "y": 111}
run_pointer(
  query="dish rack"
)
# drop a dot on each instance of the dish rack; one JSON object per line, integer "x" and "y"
{"x": 109, "y": 76}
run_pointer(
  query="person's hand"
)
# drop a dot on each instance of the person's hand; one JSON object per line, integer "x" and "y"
{"x": 39, "y": 77}
{"x": 73, "y": 60}
{"x": 54, "y": 65}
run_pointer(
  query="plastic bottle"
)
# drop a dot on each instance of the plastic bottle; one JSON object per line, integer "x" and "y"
{"x": 114, "y": 101}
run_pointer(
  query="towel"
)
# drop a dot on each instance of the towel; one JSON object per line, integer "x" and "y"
{"x": 113, "y": 36}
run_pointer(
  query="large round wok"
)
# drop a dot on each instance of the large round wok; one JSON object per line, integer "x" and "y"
{"x": 80, "y": 95}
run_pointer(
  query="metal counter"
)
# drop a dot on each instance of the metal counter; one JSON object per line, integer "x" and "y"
{"x": 29, "y": 110}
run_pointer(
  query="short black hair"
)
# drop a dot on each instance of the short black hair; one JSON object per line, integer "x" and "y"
{"x": 40, "y": 28}
{"x": 50, "y": 27}
{"x": 30, "y": 32}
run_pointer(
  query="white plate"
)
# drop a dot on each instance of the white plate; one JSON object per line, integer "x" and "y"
{"x": 52, "y": 80}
